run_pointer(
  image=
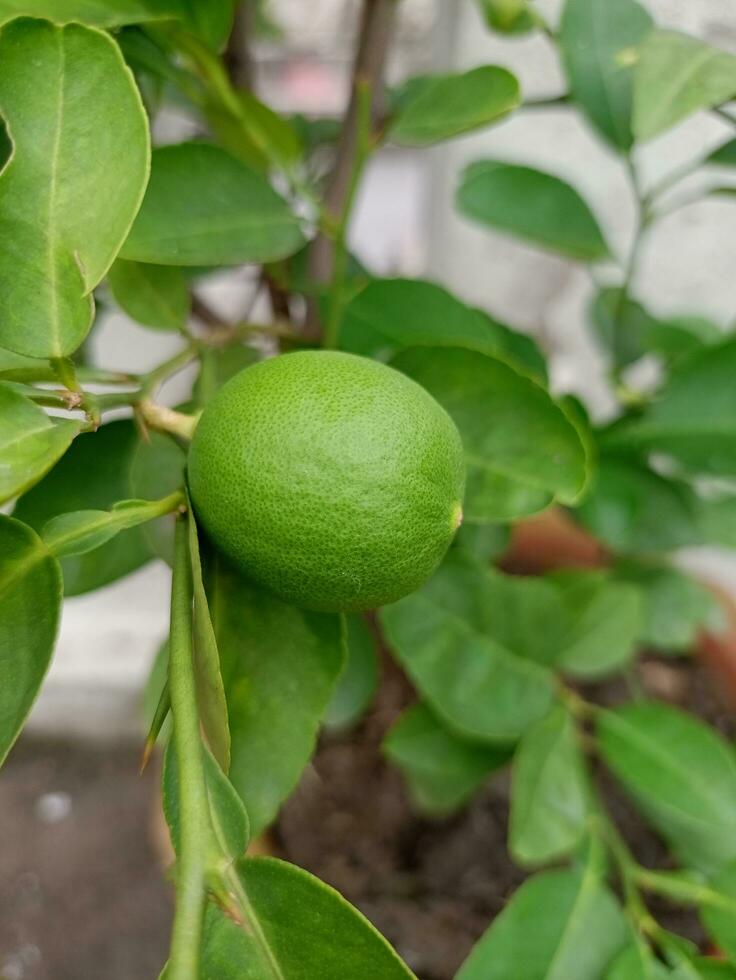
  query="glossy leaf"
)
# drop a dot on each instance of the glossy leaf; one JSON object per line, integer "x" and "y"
{"x": 675, "y": 607}
{"x": 75, "y": 181}
{"x": 442, "y": 770}
{"x": 681, "y": 774}
{"x": 478, "y": 687}
{"x": 604, "y": 623}
{"x": 228, "y": 819}
{"x": 533, "y": 206}
{"x": 560, "y": 925}
{"x": 93, "y": 475}
{"x": 594, "y": 38}
{"x": 279, "y": 666}
{"x": 359, "y": 679}
{"x": 30, "y": 604}
{"x": 521, "y": 449}
{"x": 300, "y": 928}
{"x": 392, "y": 314}
{"x": 212, "y": 24}
{"x": 676, "y": 75}
{"x": 433, "y": 108}
{"x": 633, "y": 509}
{"x": 204, "y": 207}
{"x": 210, "y": 690}
{"x": 699, "y": 431}
{"x": 30, "y": 442}
{"x": 155, "y": 295}
{"x": 549, "y": 792}
{"x": 81, "y": 531}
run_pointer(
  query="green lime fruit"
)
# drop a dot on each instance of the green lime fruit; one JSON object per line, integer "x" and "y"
{"x": 331, "y": 479}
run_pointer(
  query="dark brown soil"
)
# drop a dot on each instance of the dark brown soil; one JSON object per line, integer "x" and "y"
{"x": 82, "y": 895}
{"x": 432, "y": 887}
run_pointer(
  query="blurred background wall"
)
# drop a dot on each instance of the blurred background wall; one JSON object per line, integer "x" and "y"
{"x": 405, "y": 225}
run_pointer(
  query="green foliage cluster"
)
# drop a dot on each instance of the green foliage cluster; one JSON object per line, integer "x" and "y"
{"x": 89, "y": 211}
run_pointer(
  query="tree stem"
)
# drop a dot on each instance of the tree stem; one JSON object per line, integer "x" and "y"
{"x": 190, "y": 869}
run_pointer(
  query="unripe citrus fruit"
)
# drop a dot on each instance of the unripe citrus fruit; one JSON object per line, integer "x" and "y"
{"x": 331, "y": 479}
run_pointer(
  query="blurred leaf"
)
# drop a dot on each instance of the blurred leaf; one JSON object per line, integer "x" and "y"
{"x": 708, "y": 968}
{"x": 483, "y": 542}
{"x": 218, "y": 365}
{"x": 480, "y": 688}
{"x": 302, "y": 925}
{"x": 389, "y": 315}
{"x": 71, "y": 189}
{"x": 549, "y": 791}
{"x": 605, "y": 623}
{"x": 81, "y": 531}
{"x": 724, "y": 155}
{"x": 622, "y": 324}
{"x": 677, "y": 75}
{"x": 717, "y": 521}
{"x": 533, "y": 206}
{"x": 357, "y": 683}
{"x": 633, "y": 509}
{"x": 508, "y": 16}
{"x": 432, "y": 108}
{"x": 719, "y": 915}
{"x": 154, "y": 295}
{"x": 694, "y": 417}
{"x": 675, "y": 607}
{"x": 255, "y": 134}
{"x": 593, "y": 35}
{"x": 560, "y": 925}
{"x": 522, "y": 451}
{"x": 93, "y": 475}
{"x": 279, "y": 666}
{"x": 681, "y": 774}
{"x": 157, "y": 468}
{"x": 636, "y": 962}
{"x": 442, "y": 771}
{"x": 30, "y": 603}
{"x": 228, "y": 819}
{"x": 677, "y": 337}
{"x": 210, "y": 690}
{"x": 204, "y": 207}
{"x": 30, "y": 442}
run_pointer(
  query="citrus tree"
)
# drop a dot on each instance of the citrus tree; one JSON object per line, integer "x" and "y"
{"x": 328, "y": 455}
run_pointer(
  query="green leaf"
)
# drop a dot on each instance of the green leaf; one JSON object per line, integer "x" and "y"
{"x": 636, "y": 962}
{"x": 255, "y": 133}
{"x": 719, "y": 916}
{"x": 717, "y": 521}
{"x": 433, "y": 108}
{"x": 708, "y": 968}
{"x": 93, "y": 475}
{"x": 681, "y": 774}
{"x": 604, "y": 623}
{"x": 301, "y": 928}
{"x": 675, "y": 607}
{"x": 633, "y": 509}
{"x": 442, "y": 770}
{"x": 392, "y": 314}
{"x": 677, "y": 337}
{"x": 676, "y": 75}
{"x": 521, "y": 449}
{"x": 483, "y": 542}
{"x": 204, "y": 207}
{"x": 533, "y": 206}
{"x": 155, "y": 295}
{"x": 359, "y": 679}
{"x": 724, "y": 155}
{"x": 82, "y": 531}
{"x": 75, "y": 181}
{"x": 549, "y": 791}
{"x": 30, "y": 442}
{"x": 212, "y": 21}
{"x": 622, "y": 324}
{"x": 560, "y": 925}
{"x": 157, "y": 468}
{"x": 279, "y": 665}
{"x": 228, "y": 817}
{"x": 698, "y": 430}
{"x": 210, "y": 690}
{"x": 30, "y": 603}
{"x": 474, "y": 684}
{"x": 217, "y": 366}
{"x": 593, "y": 37}
{"x": 508, "y": 16}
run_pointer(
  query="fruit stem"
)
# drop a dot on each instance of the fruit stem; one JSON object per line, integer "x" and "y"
{"x": 165, "y": 419}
